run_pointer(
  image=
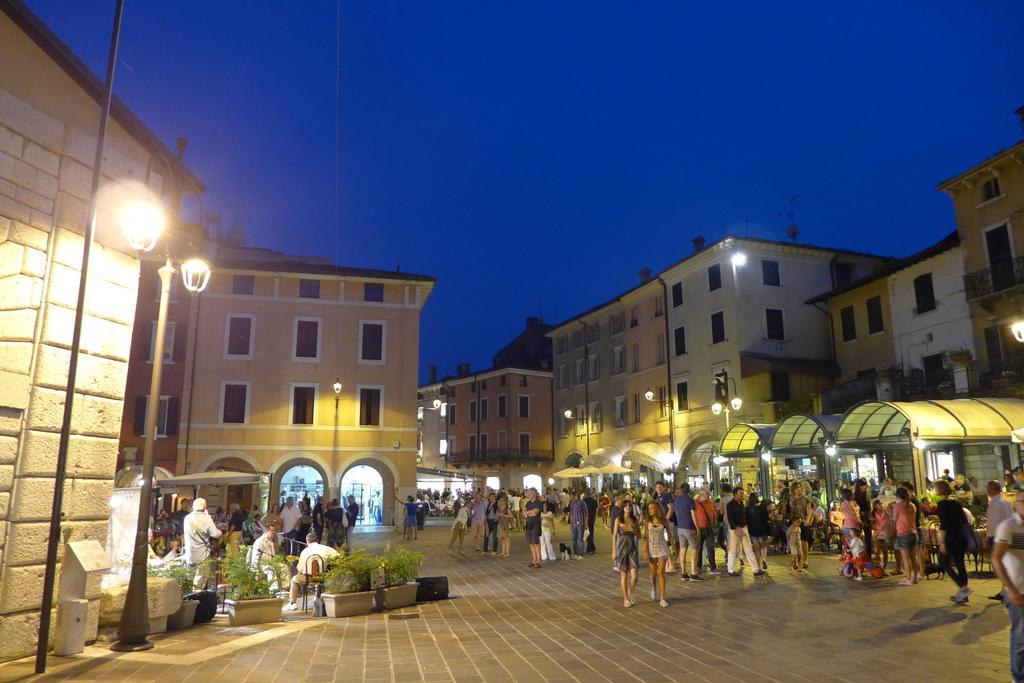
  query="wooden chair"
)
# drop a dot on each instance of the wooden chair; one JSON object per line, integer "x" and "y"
{"x": 316, "y": 565}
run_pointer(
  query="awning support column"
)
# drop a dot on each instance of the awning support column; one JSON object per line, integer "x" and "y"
{"x": 919, "y": 461}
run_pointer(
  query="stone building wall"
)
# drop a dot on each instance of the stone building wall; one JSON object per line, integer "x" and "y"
{"x": 44, "y": 185}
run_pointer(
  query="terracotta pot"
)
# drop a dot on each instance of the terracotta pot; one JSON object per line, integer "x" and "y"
{"x": 255, "y": 611}
{"x": 184, "y": 617}
{"x": 348, "y": 604}
{"x": 400, "y": 596}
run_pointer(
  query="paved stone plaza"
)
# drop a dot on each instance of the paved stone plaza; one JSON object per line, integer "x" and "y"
{"x": 566, "y": 622}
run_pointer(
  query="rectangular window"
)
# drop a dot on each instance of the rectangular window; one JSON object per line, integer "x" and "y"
{"x": 524, "y": 444}
{"x": 166, "y": 415}
{"x": 677, "y": 295}
{"x": 659, "y": 307}
{"x": 581, "y": 420}
{"x": 620, "y": 411}
{"x": 563, "y": 376}
{"x": 523, "y": 380}
{"x": 168, "y": 342}
{"x": 369, "y": 407}
{"x": 714, "y": 277}
{"x": 239, "y": 341}
{"x": 618, "y": 360}
{"x": 472, "y": 411}
{"x": 596, "y": 421}
{"x": 593, "y": 333}
{"x": 780, "y": 386}
{"x": 593, "y": 368}
{"x": 579, "y": 371}
{"x": 617, "y": 322}
{"x": 503, "y": 405}
{"x": 577, "y": 339}
{"x": 472, "y": 445}
{"x": 307, "y": 339}
{"x": 309, "y": 289}
{"x": 633, "y": 319}
{"x": 502, "y": 441}
{"x": 371, "y": 342}
{"x": 717, "y": 327}
{"x": 373, "y": 291}
{"x": 243, "y": 284}
{"x": 661, "y": 348}
{"x": 561, "y": 345}
{"x": 848, "y": 323}
{"x": 874, "y": 306}
{"x": 682, "y": 396}
{"x": 451, "y": 413}
{"x": 662, "y": 402}
{"x": 483, "y": 409}
{"x": 524, "y": 405}
{"x": 636, "y": 357}
{"x": 636, "y": 408}
{"x": 503, "y": 380}
{"x": 773, "y": 324}
{"x": 924, "y": 293}
{"x": 235, "y": 403}
{"x": 679, "y": 340}
{"x": 303, "y": 402}
{"x": 770, "y": 273}
{"x": 990, "y": 189}
{"x": 483, "y": 443}
{"x": 843, "y": 273}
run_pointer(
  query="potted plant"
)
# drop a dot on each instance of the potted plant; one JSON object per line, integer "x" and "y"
{"x": 252, "y": 589}
{"x": 347, "y": 584}
{"x": 401, "y": 567}
{"x": 184, "y": 576}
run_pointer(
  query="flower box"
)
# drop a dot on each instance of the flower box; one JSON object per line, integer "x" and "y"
{"x": 254, "y": 611}
{"x": 348, "y": 604}
{"x": 397, "y": 597}
{"x": 184, "y": 617}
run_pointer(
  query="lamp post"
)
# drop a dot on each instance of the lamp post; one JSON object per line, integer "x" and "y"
{"x": 667, "y": 404}
{"x": 337, "y": 403}
{"x": 143, "y": 224}
{"x": 723, "y": 402}
{"x": 60, "y": 470}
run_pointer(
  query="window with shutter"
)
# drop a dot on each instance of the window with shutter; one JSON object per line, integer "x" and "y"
{"x": 369, "y": 407}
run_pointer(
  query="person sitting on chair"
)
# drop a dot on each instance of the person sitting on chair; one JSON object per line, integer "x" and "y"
{"x": 312, "y": 561}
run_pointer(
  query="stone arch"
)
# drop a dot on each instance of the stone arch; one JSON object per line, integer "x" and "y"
{"x": 389, "y": 480}
{"x": 293, "y": 459}
{"x": 573, "y": 459}
{"x": 697, "y": 451}
{"x": 207, "y": 465}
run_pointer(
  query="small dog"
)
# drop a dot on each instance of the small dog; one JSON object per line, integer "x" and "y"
{"x": 564, "y": 551}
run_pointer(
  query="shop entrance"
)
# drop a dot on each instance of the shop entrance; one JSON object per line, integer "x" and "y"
{"x": 367, "y": 486}
{"x": 298, "y": 482}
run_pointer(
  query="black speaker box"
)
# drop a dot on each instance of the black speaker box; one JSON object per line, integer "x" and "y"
{"x": 432, "y": 588}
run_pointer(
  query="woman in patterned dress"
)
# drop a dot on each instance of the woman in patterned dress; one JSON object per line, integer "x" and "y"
{"x": 625, "y": 537}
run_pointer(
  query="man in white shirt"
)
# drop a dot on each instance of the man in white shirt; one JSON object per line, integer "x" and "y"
{"x": 998, "y": 509}
{"x": 199, "y": 531}
{"x": 314, "y": 555}
{"x": 1008, "y": 563}
{"x": 290, "y": 516}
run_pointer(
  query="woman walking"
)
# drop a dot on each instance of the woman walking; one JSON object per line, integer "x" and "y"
{"x": 907, "y": 557}
{"x": 625, "y": 553}
{"x": 532, "y": 524}
{"x": 504, "y": 526}
{"x": 656, "y": 550}
{"x": 759, "y": 526}
{"x": 491, "y": 520}
{"x": 952, "y": 541}
{"x": 461, "y": 514}
{"x": 862, "y": 497}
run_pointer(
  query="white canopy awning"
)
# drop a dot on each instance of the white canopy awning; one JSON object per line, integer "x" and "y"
{"x": 218, "y": 478}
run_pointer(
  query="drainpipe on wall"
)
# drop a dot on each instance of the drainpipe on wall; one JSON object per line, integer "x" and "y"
{"x": 668, "y": 372}
{"x": 586, "y": 385}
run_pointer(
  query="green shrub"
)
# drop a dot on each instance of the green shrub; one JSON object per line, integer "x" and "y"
{"x": 179, "y": 572}
{"x": 350, "y": 573}
{"x": 401, "y": 566}
{"x": 249, "y": 583}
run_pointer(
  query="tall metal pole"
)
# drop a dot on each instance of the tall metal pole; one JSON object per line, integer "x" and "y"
{"x": 56, "y": 513}
{"x": 134, "y": 626}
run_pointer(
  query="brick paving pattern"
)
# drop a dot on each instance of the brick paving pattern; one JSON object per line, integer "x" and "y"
{"x": 566, "y": 622}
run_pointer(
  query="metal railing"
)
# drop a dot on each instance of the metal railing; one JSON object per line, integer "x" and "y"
{"x": 465, "y": 457}
{"x": 999, "y": 276}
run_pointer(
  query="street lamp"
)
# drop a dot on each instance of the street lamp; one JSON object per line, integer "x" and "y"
{"x": 337, "y": 389}
{"x": 1017, "y": 329}
{"x": 723, "y": 403}
{"x": 143, "y": 226}
{"x": 667, "y": 405}
{"x": 739, "y": 259}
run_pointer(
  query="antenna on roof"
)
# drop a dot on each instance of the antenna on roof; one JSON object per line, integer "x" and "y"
{"x": 792, "y": 231}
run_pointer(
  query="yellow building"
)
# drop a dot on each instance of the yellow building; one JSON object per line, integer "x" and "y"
{"x": 273, "y": 337}
{"x": 49, "y": 118}
{"x": 988, "y": 199}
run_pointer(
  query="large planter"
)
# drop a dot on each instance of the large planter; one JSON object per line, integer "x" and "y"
{"x": 400, "y": 596}
{"x": 348, "y": 604}
{"x": 255, "y": 611}
{"x": 184, "y": 617}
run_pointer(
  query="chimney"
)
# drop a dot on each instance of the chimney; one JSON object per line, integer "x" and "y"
{"x": 645, "y": 275}
{"x": 531, "y": 321}
{"x": 698, "y": 244}
{"x": 433, "y": 374}
{"x": 462, "y": 369}
{"x": 1019, "y": 111}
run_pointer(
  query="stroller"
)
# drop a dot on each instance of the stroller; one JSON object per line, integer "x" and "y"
{"x": 848, "y": 565}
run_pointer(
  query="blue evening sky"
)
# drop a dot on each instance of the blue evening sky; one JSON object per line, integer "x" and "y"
{"x": 535, "y": 156}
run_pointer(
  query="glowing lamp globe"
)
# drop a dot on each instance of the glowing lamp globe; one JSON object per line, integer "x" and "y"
{"x": 436, "y": 403}
{"x": 1018, "y": 330}
{"x": 336, "y": 386}
{"x": 736, "y": 403}
{"x": 567, "y": 413}
{"x": 649, "y": 395}
{"x": 716, "y": 408}
{"x": 195, "y": 274}
{"x": 142, "y": 223}
{"x": 739, "y": 259}
{"x": 831, "y": 450}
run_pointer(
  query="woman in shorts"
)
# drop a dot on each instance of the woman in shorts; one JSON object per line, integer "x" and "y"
{"x": 905, "y": 515}
{"x": 532, "y": 511}
{"x": 759, "y": 526}
{"x": 625, "y": 535}
{"x": 656, "y": 549}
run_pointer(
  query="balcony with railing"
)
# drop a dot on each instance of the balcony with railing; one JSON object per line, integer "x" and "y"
{"x": 999, "y": 277}
{"x": 499, "y": 457}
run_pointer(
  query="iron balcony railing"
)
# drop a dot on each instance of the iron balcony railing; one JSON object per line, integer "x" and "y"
{"x": 1000, "y": 276}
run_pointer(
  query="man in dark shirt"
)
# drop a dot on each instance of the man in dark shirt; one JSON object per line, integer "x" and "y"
{"x": 684, "y": 508}
{"x": 591, "y": 503}
{"x": 739, "y": 537}
{"x": 664, "y": 497}
{"x": 318, "y": 519}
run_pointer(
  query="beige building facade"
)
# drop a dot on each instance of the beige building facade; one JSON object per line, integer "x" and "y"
{"x": 49, "y": 113}
{"x": 272, "y": 339}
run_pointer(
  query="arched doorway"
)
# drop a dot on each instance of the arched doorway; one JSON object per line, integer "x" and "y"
{"x": 372, "y": 481}
{"x": 574, "y": 460}
{"x": 298, "y": 482}
{"x": 533, "y": 481}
